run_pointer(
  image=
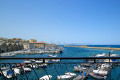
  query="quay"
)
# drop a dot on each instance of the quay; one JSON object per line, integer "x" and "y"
{"x": 36, "y": 51}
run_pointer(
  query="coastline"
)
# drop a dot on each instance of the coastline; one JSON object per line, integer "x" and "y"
{"x": 106, "y": 48}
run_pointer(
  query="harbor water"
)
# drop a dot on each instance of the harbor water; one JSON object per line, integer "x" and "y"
{"x": 67, "y": 52}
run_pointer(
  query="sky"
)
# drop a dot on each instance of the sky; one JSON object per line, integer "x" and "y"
{"x": 62, "y": 21}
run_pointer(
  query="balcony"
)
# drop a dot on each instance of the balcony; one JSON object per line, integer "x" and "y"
{"x": 71, "y": 68}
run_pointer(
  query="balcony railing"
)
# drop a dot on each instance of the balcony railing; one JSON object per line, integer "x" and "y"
{"x": 53, "y": 68}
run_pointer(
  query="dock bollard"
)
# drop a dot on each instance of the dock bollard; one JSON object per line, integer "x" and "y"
{"x": 84, "y": 73}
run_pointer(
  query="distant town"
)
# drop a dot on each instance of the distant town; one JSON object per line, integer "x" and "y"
{"x": 27, "y": 46}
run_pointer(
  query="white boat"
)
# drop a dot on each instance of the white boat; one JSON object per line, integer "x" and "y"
{"x": 97, "y": 76}
{"x": 27, "y": 69}
{"x": 100, "y": 72}
{"x": 101, "y": 55}
{"x": 11, "y": 54}
{"x": 47, "y": 60}
{"x": 33, "y": 60}
{"x": 103, "y": 66}
{"x": 38, "y": 61}
{"x": 8, "y": 73}
{"x": 79, "y": 68}
{"x": 16, "y": 71}
{"x": 55, "y": 60}
{"x": 52, "y": 55}
{"x": 46, "y": 77}
{"x": 4, "y": 68}
{"x": 43, "y": 65}
{"x": 34, "y": 65}
{"x": 27, "y": 61}
{"x": 114, "y": 55}
{"x": 71, "y": 74}
{"x": 64, "y": 77}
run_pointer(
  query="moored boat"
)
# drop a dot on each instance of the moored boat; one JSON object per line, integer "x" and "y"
{"x": 52, "y": 56}
{"x": 46, "y": 77}
{"x": 16, "y": 71}
{"x": 38, "y": 61}
{"x": 97, "y": 76}
{"x": 27, "y": 69}
{"x": 101, "y": 55}
{"x": 43, "y": 65}
{"x": 79, "y": 68}
{"x": 8, "y": 73}
{"x": 71, "y": 74}
{"x": 27, "y": 61}
{"x": 114, "y": 55}
{"x": 100, "y": 72}
{"x": 64, "y": 77}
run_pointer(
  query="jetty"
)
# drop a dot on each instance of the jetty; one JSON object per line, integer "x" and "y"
{"x": 82, "y": 76}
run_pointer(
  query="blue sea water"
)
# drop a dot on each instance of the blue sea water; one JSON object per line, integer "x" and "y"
{"x": 55, "y": 70}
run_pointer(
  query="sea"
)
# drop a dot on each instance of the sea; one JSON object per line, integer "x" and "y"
{"x": 60, "y": 69}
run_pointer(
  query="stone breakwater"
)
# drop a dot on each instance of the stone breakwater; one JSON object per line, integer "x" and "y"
{"x": 107, "y": 48}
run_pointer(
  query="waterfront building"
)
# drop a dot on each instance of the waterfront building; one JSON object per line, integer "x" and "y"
{"x": 3, "y": 47}
{"x": 10, "y": 46}
{"x": 37, "y": 45}
{"x": 26, "y": 45}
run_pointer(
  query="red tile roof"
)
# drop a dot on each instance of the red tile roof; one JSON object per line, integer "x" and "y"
{"x": 37, "y": 42}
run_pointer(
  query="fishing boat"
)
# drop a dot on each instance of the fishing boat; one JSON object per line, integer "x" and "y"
{"x": 97, "y": 76}
{"x": 46, "y": 77}
{"x": 71, "y": 74}
{"x": 64, "y": 77}
{"x": 79, "y": 68}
